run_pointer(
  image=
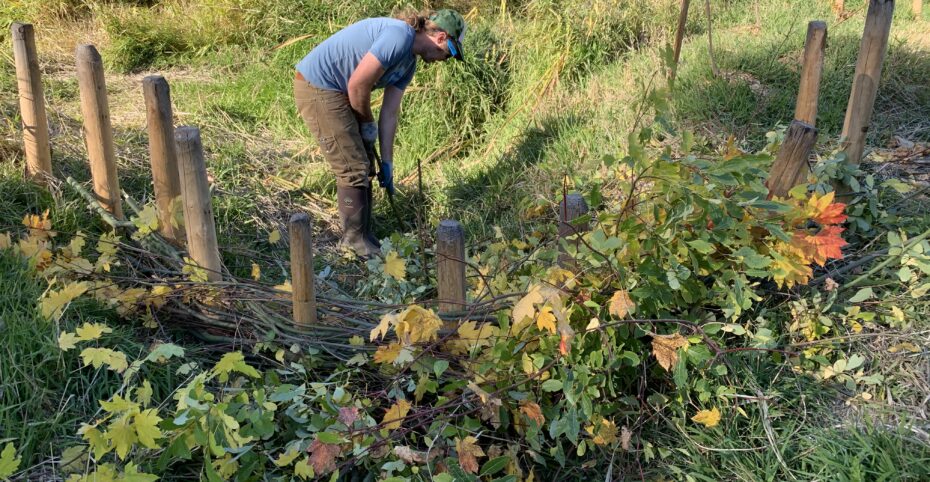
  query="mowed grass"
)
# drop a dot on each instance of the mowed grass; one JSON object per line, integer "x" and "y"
{"x": 543, "y": 96}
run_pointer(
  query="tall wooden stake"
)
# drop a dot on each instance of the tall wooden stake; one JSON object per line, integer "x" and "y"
{"x": 865, "y": 81}
{"x": 303, "y": 290}
{"x": 198, "y": 209}
{"x": 31, "y": 102}
{"x": 918, "y": 7}
{"x": 811, "y": 71}
{"x": 97, "y": 130}
{"x": 450, "y": 269}
{"x": 791, "y": 165}
{"x": 679, "y": 36}
{"x": 164, "y": 155}
{"x": 571, "y": 208}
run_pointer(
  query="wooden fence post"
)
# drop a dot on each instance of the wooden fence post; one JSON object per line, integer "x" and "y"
{"x": 865, "y": 81}
{"x": 917, "y": 6}
{"x": 164, "y": 155}
{"x": 791, "y": 165}
{"x": 679, "y": 37}
{"x": 97, "y": 130}
{"x": 811, "y": 70}
{"x": 572, "y": 207}
{"x": 450, "y": 265}
{"x": 839, "y": 6}
{"x": 303, "y": 290}
{"x": 31, "y": 102}
{"x": 198, "y": 209}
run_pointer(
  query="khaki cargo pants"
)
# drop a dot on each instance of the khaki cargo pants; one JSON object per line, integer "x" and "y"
{"x": 330, "y": 119}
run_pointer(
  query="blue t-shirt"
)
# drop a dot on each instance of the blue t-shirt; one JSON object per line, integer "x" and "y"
{"x": 330, "y": 64}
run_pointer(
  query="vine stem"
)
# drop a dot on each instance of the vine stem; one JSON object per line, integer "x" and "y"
{"x": 913, "y": 242}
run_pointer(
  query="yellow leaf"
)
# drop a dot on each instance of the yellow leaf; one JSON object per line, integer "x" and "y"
{"x": 285, "y": 286}
{"x": 665, "y": 348}
{"x": 303, "y": 469}
{"x": 274, "y": 236}
{"x": 144, "y": 393}
{"x": 226, "y": 467}
{"x": 524, "y": 311}
{"x": 121, "y": 435}
{"x": 92, "y": 331}
{"x": 395, "y": 266}
{"x": 146, "y": 425}
{"x": 394, "y": 417}
{"x": 67, "y": 340}
{"x": 256, "y": 271}
{"x": 593, "y": 325}
{"x": 196, "y": 273}
{"x": 5, "y": 240}
{"x": 908, "y": 346}
{"x": 54, "y": 303}
{"x": 417, "y": 324}
{"x": 387, "y": 353}
{"x": 604, "y": 433}
{"x": 119, "y": 404}
{"x": 146, "y": 222}
{"x": 98, "y": 357}
{"x": 471, "y": 336}
{"x": 279, "y": 355}
{"x": 381, "y": 330}
{"x": 96, "y": 440}
{"x": 620, "y": 304}
{"x": 287, "y": 458}
{"x": 9, "y": 462}
{"x": 708, "y": 418}
{"x": 468, "y": 451}
{"x": 546, "y": 319}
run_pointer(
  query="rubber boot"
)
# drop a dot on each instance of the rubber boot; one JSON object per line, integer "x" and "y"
{"x": 369, "y": 225}
{"x": 352, "y": 205}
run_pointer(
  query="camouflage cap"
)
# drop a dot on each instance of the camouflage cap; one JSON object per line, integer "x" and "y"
{"x": 453, "y": 24}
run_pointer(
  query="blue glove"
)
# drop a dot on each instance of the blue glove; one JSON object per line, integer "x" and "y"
{"x": 386, "y": 176}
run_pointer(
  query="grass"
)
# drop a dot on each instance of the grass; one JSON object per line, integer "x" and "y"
{"x": 550, "y": 88}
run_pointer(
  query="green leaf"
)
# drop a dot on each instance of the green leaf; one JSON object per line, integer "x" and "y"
{"x": 9, "y": 463}
{"x": 862, "y": 295}
{"x": 439, "y": 367}
{"x": 552, "y": 385}
{"x": 854, "y": 362}
{"x": 164, "y": 352}
{"x": 330, "y": 438}
{"x": 494, "y": 466}
{"x": 233, "y": 362}
{"x": 146, "y": 425}
{"x": 443, "y": 477}
{"x": 905, "y": 274}
{"x": 702, "y": 246}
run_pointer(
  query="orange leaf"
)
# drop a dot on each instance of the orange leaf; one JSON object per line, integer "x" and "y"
{"x": 533, "y": 411}
{"x": 665, "y": 348}
{"x": 469, "y": 451}
{"x": 323, "y": 457}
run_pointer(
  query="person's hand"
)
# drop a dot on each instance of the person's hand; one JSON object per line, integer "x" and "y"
{"x": 386, "y": 176}
{"x": 369, "y": 131}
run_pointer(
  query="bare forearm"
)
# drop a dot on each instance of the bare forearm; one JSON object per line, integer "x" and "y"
{"x": 360, "y": 100}
{"x": 387, "y": 127}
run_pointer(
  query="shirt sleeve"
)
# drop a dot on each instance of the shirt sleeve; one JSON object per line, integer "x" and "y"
{"x": 408, "y": 76}
{"x": 391, "y": 47}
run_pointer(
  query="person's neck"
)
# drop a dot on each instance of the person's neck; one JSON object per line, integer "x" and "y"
{"x": 420, "y": 43}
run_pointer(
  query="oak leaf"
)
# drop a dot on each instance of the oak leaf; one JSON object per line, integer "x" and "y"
{"x": 665, "y": 348}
